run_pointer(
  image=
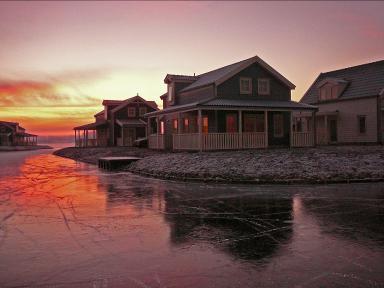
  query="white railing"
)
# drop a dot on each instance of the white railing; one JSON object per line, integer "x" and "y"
{"x": 186, "y": 141}
{"x": 219, "y": 141}
{"x": 156, "y": 141}
{"x": 302, "y": 139}
{"x": 86, "y": 143}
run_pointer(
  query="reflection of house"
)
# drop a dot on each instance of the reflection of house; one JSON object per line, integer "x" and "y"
{"x": 120, "y": 123}
{"x": 243, "y": 105}
{"x": 351, "y": 106}
{"x": 247, "y": 227}
{"x": 11, "y": 134}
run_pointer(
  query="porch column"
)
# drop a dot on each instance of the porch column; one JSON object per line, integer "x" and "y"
{"x": 200, "y": 124}
{"x": 326, "y": 128}
{"x": 291, "y": 129}
{"x": 86, "y": 137}
{"x": 75, "y": 138}
{"x": 157, "y": 131}
{"x": 240, "y": 129}
{"x": 122, "y": 135}
{"x": 266, "y": 127}
{"x": 314, "y": 127}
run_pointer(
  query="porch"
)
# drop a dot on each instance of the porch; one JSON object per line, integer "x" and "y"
{"x": 129, "y": 130}
{"x": 92, "y": 135}
{"x": 227, "y": 129}
{"x": 25, "y": 139}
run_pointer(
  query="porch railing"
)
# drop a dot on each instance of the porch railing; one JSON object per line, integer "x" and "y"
{"x": 302, "y": 139}
{"x": 219, "y": 141}
{"x": 156, "y": 141}
{"x": 86, "y": 143}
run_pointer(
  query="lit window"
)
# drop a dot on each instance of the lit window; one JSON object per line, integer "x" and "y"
{"x": 278, "y": 125}
{"x": 170, "y": 92}
{"x": 162, "y": 127}
{"x": 245, "y": 85}
{"x": 175, "y": 125}
{"x": 253, "y": 122}
{"x": 263, "y": 86}
{"x": 362, "y": 124}
{"x": 142, "y": 111}
{"x": 205, "y": 124}
{"x": 131, "y": 112}
{"x": 186, "y": 124}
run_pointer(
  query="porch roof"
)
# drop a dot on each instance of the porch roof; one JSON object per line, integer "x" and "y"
{"x": 218, "y": 103}
{"x": 131, "y": 122}
{"x": 91, "y": 126}
{"x": 23, "y": 134}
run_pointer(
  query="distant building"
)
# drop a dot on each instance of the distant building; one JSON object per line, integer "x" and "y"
{"x": 351, "y": 105}
{"x": 119, "y": 124}
{"x": 12, "y": 134}
{"x": 239, "y": 106}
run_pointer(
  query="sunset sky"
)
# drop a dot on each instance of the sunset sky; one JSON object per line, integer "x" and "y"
{"x": 60, "y": 59}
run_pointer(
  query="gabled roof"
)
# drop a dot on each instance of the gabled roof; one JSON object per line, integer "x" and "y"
{"x": 132, "y": 99}
{"x": 99, "y": 113}
{"x": 112, "y": 102}
{"x": 174, "y": 77}
{"x": 222, "y": 74}
{"x": 91, "y": 126}
{"x": 363, "y": 81}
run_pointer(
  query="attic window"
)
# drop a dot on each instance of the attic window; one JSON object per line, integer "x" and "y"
{"x": 263, "y": 87}
{"x": 329, "y": 91}
{"x": 142, "y": 111}
{"x": 245, "y": 85}
{"x": 170, "y": 92}
{"x": 131, "y": 112}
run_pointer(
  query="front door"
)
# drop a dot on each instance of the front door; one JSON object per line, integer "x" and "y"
{"x": 333, "y": 130}
{"x": 231, "y": 123}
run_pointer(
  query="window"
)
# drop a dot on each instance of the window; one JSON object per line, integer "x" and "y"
{"x": 329, "y": 91}
{"x": 362, "y": 124}
{"x": 278, "y": 125}
{"x": 131, "y": 112}
{"x": 253, "y": 122}
{"x": 245, "y": 85}
{"x": 263, "y": 86}
{"x": 170, "y": 92}
{"x": 205, "y": 124}
{"x": 186, "y": 125}
{"x": 175, "y": 125}
{"x": 142, "y": 111}
{"x": 161, "y": 127}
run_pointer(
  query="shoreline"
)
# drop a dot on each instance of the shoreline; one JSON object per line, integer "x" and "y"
{"x": 320, "y": 165}
{"x": 23, "y": 148}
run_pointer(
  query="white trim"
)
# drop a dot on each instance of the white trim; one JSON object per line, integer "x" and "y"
{"x": 249, "y": 79}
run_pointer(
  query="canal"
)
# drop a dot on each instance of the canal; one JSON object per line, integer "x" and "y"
{"x": 68, "y": 224}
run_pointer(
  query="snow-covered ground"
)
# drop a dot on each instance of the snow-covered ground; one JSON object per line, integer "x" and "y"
{"x": 309, "y": 165}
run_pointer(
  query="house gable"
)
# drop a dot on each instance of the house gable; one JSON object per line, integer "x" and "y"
{"x": 364, "y": 80}
{"x": 134, "y": 107}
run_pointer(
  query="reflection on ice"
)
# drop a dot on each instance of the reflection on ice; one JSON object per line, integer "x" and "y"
{"x": 66, "y": 224}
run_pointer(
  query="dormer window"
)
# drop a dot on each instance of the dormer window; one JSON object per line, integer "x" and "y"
{"x": 170, "y": 93}
{"x": 331, "y": 88}
{"x": 245, "y": 85}
{"x": 263, "y": 86}
{"x": 142, "y": 111}
{"x": 131, "y": 112}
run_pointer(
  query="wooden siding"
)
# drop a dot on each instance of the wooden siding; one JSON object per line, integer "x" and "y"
{"x": 230, "y": 89}
{"x": 347, "y": 120}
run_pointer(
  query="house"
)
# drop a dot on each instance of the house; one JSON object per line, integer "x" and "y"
{"x": 239, "y": 106}
{"x": 12, "y": 134}
{"x": 351, "y": 105}
{"x": 120, "y": 123}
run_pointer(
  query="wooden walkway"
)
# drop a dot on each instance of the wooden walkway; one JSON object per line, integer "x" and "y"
{"x": 112, "y": 163}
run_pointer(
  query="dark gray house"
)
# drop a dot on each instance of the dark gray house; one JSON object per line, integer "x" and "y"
{"x": 239, "y": 106}
{"x": 351, "y": 105}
